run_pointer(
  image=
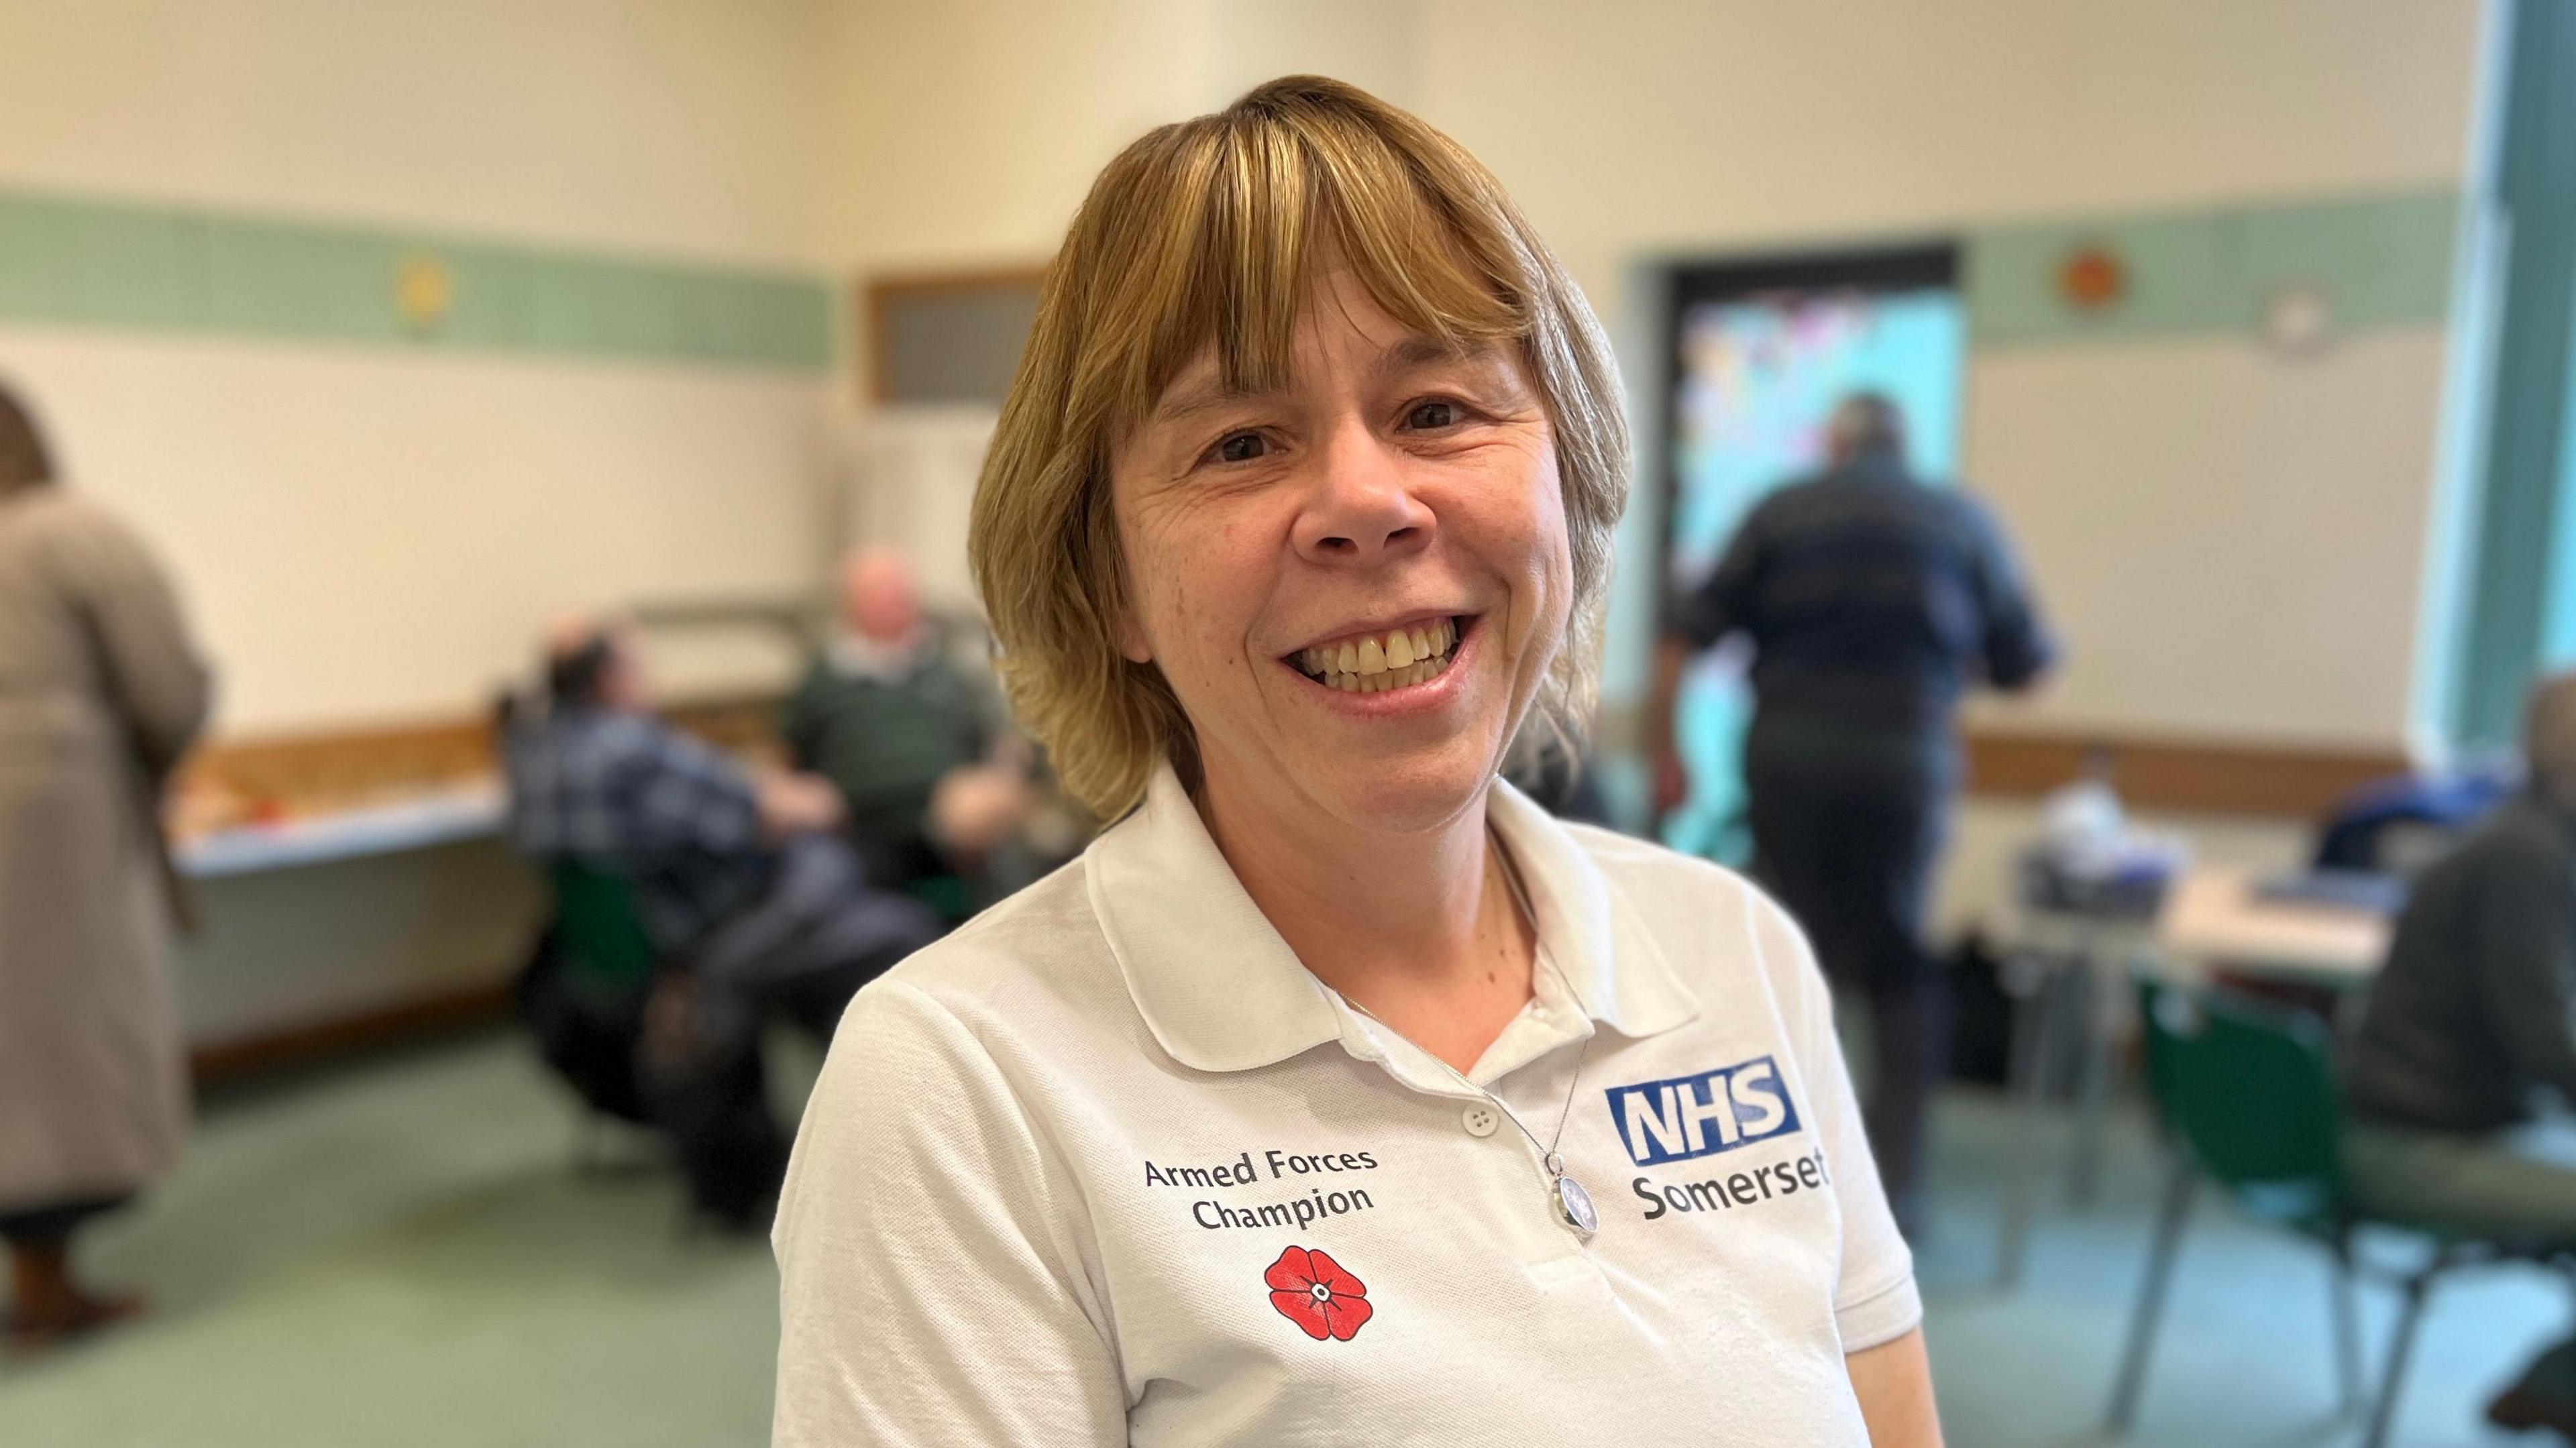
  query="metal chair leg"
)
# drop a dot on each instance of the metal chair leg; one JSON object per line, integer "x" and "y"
{"x": 2179, "y": 1189}
{"x": 2092, "y": 1082}
{"x": 2035, "y": 1018}
{"x": 2347, "y": 1329}
{"x": 2393, "y": 1377}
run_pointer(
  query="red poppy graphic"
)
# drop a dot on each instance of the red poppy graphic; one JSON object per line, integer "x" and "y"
{"x": 1312, "y": 1291}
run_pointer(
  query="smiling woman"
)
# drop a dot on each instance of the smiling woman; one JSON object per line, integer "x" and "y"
{"x": 1299, "y": 510}
{"x": 1169, "y": 323}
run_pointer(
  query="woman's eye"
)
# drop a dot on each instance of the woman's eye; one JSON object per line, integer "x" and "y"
{"x": 1242, "y": 447}
{"x": 1432, "y": 416}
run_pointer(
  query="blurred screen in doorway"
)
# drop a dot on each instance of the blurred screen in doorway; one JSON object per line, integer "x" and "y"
{"x": 1761, "y": 352}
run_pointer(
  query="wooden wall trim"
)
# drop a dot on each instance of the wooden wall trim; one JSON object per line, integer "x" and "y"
{"x": 2194, "y": 776}
{"x": 321, "y": 769}
{"x": 2190, "y": 776}
{"x": 347, "y": 762}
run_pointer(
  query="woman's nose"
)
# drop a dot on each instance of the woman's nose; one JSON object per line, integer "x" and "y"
{"x": 1361, "y": 509}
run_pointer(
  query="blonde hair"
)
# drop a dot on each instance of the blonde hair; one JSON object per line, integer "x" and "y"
{"x": 1205, "y": 233}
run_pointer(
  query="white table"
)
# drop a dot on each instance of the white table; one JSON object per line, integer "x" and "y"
{"x": 460, "y": 812}
{"x": 2213, "y": 920}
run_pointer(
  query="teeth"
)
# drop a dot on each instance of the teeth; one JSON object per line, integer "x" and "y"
{"x": 1398, "y": 659}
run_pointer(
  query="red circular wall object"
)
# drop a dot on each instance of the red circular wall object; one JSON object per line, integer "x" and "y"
{"x": 2092, "y": 279}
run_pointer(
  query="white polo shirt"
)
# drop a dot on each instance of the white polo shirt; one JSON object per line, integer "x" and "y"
{"x": 1109, "y": 1166}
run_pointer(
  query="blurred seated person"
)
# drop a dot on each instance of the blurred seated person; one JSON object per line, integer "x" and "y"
{"x": 929, "y": 783}
{"x": 740, "y": 883}
{"x": 2471, "y": 1025}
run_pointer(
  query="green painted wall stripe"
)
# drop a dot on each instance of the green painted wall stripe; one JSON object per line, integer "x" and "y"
{"x": 67, "y": 260}
{"x": 2383, "y": 260}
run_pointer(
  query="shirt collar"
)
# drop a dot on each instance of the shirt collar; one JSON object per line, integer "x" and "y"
{"x": 856, "y": 655}
{"x": 1221, "y": 990}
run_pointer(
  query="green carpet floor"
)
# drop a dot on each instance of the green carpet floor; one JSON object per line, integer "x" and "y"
{"x": 401, "y": 1253}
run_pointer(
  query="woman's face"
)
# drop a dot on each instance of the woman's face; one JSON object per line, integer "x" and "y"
{"x": 1356, "y": 583}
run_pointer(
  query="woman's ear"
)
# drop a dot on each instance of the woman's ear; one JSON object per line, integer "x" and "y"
{"x": 1131, "y": 637}
{"x": 1124, "y": 625}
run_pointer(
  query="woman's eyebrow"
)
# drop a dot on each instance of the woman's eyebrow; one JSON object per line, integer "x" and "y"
{"x": 1209, "y": 394}
{"x": 1418, "y": 350}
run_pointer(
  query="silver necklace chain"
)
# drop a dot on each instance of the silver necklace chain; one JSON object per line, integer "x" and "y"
{"x": 1573, "y": 1203}
{"x": 1548, "y": 1157}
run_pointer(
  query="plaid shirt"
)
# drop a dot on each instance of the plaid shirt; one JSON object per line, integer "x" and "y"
{"x": 632, "y": 796}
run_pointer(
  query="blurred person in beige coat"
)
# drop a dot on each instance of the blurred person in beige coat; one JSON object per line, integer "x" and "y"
{"x": 101, "y": 691}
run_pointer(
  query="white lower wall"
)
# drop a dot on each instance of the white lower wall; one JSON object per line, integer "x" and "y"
{"x": 372, "y": 533}
{"x": 295, "y": 948}
{"x": 2231, "y": 541}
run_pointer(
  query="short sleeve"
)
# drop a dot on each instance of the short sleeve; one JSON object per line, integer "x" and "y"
{"x": 1875, "y": 1298}
{"x": 2014, "y": 640}
{"x": 930, "y": 1286}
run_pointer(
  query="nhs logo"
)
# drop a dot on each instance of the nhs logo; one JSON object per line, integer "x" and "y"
{"x": 1714, "y": 1111}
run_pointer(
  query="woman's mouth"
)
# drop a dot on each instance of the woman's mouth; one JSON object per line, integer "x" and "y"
{"x": 1373, "y": 663}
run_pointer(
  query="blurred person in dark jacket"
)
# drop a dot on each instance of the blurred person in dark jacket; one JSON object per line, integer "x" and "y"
{"x": 1873, "y": 601}
{"x": 2461, "y": 1078}
{"x": 743, "y": 886}
{"x": 101, "y": 691}
{"x": 929, "y": 780}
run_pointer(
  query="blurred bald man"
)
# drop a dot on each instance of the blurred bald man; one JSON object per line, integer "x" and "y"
{"x": 2461, "y": 1079}
{"x": 910, "y": 741}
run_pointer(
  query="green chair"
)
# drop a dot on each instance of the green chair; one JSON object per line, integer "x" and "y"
{"x": 608, "y": 966}
{"x": 2247, "y": 1093}
{"x": 602, "y": 935}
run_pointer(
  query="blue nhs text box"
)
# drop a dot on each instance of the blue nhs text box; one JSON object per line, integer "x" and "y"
{"x": 1686, "y": 1116}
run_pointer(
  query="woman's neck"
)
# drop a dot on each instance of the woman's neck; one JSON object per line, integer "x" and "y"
{"x": 1419, "y": 928}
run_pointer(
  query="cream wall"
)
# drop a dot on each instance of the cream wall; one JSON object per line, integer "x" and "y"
{"x": 676, "y": 127}
{"x": 372, "y": 532}
{"x": 965, "y": 134}
{"x": 1663, "y": 126}
{"x": 878, "y": 136}
{"x": 2175, "y": 498}
{"x": 369, "y": 535}
{"x": 2234, "y": 541}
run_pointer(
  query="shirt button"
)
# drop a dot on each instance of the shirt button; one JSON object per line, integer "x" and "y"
{"x": 1480, "y": 1120}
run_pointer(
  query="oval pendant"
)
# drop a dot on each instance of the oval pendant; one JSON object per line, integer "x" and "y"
{"x": 1574, "y": 1204}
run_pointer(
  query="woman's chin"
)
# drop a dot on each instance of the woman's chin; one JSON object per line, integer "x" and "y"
{"x": 1407, "y": 793}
